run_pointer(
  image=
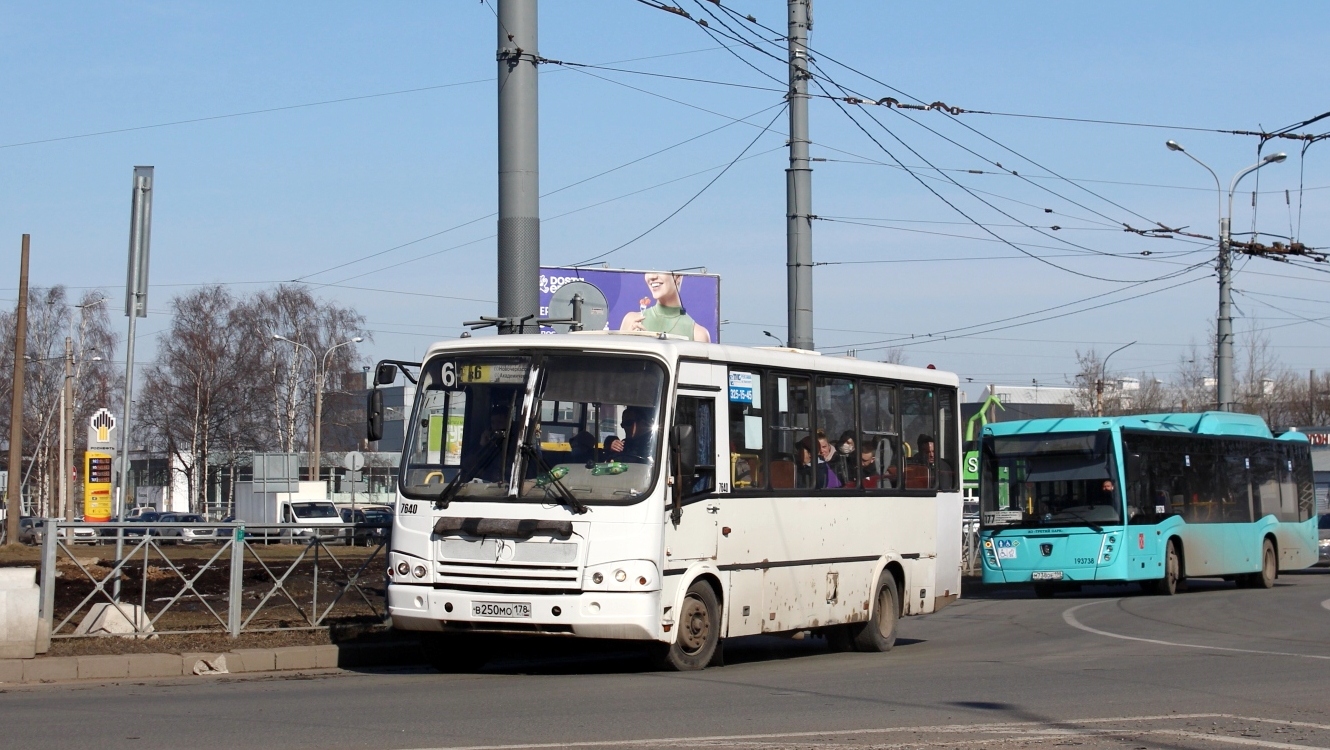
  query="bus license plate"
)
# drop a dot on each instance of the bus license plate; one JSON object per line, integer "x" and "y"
{"x": 500, "y": 609}
{"x": 1046, "y": 575}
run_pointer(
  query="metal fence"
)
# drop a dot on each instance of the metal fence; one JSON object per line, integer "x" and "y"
{"x": 244, "y": 577}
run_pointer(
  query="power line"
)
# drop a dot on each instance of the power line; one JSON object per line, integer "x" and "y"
{"x": 686, "y": 203}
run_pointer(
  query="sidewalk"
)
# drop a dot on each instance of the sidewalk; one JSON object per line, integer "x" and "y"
{"x": 239, "y": 661}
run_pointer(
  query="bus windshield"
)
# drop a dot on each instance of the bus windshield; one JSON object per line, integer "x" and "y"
{"x": 1059, "y": 479}
{"x": 560, "y": 426}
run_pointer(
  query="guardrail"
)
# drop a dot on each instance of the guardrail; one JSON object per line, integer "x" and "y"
{"x": 154, "y": 592}
{"x": 970, "y": 562}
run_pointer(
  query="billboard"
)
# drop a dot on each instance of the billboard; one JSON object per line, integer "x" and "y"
{"x": 684, "y": 304}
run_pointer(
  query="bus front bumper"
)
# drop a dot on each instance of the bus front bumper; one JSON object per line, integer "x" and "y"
{"x": 589, "y": 614}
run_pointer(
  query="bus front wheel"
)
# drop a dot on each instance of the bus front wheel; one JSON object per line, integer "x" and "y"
{"x": 1269, "y": 568}
{"x": 879, "y": 633}
{"x": 1171, "y": 582}
{"x": 699, "y": 630}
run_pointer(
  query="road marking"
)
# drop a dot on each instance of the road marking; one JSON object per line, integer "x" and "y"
{"x": 1069, "y": 617}
{"x": 1326, "y": 604}
{"x": 1025, "y": 731}
{"x": 1231, "y": 740}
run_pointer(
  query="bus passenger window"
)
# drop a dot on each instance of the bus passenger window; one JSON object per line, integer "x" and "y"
{"x": 879, "y": 436}
{"x": 837, "y": 436}
{"x": 745, "y": 430}
{"x": 700, "y": 414}
{"x": 919, "y": 418}
{"x": 789, "y": 422}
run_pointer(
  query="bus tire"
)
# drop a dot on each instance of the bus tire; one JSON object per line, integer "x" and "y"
{"x": 879, "y": 634}
{"x": 1171, "y": 583}
{"x": 1269, "y": 567}
{"x": 699, "y": 631}
{"x": 453, "y": 653}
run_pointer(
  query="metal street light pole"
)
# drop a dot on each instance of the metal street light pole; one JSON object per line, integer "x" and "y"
{"x": 1224, "y": 364}
{"x": 1099, "y": 384}
{"x": 320, "y": 374}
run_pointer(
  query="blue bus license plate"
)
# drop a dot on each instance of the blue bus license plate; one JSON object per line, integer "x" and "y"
{"x": 1046, "y": 575}
{"x": 500, "y": 609}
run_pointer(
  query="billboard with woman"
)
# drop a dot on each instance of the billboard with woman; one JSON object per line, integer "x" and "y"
{"x": 681, "y": 304}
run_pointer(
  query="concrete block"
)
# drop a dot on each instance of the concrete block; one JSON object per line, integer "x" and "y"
{"x": 11, "y": 670}
{"x": 19, "y": 601}
{"x": 51, "y": 668}
{"x": 103, "y": 667}
{"x": 204, "y": 663}
{"x": 251, "y": 660}
{"x": 295, "y": 657}
{"x": 155, "y": 665}
{"x": 326, "y": 657}
{"x": 126, "y": 621}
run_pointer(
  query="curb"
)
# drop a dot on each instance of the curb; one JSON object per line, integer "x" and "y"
{"x": 239, "y": 661}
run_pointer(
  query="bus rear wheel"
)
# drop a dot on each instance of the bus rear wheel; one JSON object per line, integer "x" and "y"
{"x": 699, "y": 631}
{"x": 879, "y": 633}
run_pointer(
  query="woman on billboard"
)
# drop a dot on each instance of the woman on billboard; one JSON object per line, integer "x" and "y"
{"x": 668, "y": 314}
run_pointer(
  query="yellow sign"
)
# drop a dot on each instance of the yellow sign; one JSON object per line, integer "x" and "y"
{"x": 96, "y": 486}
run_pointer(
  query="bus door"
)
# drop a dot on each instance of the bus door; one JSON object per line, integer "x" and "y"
{"x": 691, "y": 528}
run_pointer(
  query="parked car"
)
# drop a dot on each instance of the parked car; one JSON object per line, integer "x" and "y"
{"x": 183, "y": 535}
{"x": 30, "y": 530}
{"x": 83, "y": 534}
{"x": 1325, "y": 539}
{"x": 373, "y": 525}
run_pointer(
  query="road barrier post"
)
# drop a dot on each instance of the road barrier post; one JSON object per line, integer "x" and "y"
{"x": 237, "y": 581}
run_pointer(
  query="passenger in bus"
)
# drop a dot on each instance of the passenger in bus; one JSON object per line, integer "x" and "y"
{"x": 843, "y": 461}
{"x": 635, "y": 445}
{"x": 815, "y": 472}
{"x": 583, "y": 448}
{"x": 868, "y": 468}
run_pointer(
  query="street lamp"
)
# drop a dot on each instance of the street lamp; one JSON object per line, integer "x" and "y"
{"x": 1224, "y": 370}
{"x": 1103, "y": 373}
{"x": 320, "y": 374}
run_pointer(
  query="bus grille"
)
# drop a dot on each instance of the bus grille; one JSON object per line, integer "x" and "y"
{"x": 504, "y": 564}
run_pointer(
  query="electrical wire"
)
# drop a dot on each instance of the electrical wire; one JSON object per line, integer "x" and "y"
{"x": 686, "y": 203}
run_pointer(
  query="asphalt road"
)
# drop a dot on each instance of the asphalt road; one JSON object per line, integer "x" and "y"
{"x": 1217, "y": 667}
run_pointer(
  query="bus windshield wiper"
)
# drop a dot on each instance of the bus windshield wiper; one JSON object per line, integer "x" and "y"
{"x": 564, "y": 494}
{"x": 482, "y": 462}
{"x": 1096, "y": 528}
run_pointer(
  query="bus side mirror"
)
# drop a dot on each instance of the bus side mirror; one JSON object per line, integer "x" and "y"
{"x": 385, "y": 374}
{"x": 684, "y": 442}
{"x": 374, "y": 415}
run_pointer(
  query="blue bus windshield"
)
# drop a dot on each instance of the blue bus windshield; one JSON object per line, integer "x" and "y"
{"x": 1053, "y": 479}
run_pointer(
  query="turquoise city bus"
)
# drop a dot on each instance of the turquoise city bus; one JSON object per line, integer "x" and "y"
{"x": 1153, "y": 499}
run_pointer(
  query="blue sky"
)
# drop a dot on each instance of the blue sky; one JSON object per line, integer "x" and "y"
{"x": 283, "y": 195}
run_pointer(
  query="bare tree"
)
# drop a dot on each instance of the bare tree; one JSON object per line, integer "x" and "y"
{"x": 51, "y": 319}
{"x": 198, "y": 386}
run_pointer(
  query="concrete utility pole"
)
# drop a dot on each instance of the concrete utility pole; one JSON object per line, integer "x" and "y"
{"x": 519, "y": 167}
{"x": 799, "y": 185}
{"x": 14, "y": 490}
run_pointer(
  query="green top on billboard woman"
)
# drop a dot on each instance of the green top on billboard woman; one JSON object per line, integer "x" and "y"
{"x": 668, "y": 314}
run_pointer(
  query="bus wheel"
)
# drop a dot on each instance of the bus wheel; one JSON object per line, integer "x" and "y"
{"x": 1169, "y": 584}
{"x": 879, "y": 634}
{"x": 699, "y": 630}
{"x": 1044, "y": 590}
{"x": 1269, "y": 567}
{"x": 456, "y": 652}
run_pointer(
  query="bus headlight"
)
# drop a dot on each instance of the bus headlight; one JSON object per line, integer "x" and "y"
{"x": 623, "y": 575}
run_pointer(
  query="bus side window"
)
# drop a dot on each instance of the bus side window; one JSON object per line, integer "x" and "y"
{"x": 746, "y": 410}
{"x": 789, "y": 419}
{"x": 879, "y": 436}
{"x": 949, "y": 439}
{"x": 919, "y": 423}
{"x": 700, "y": 414}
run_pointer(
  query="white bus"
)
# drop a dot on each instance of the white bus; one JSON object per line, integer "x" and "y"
{"x": 645, "y": 487}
